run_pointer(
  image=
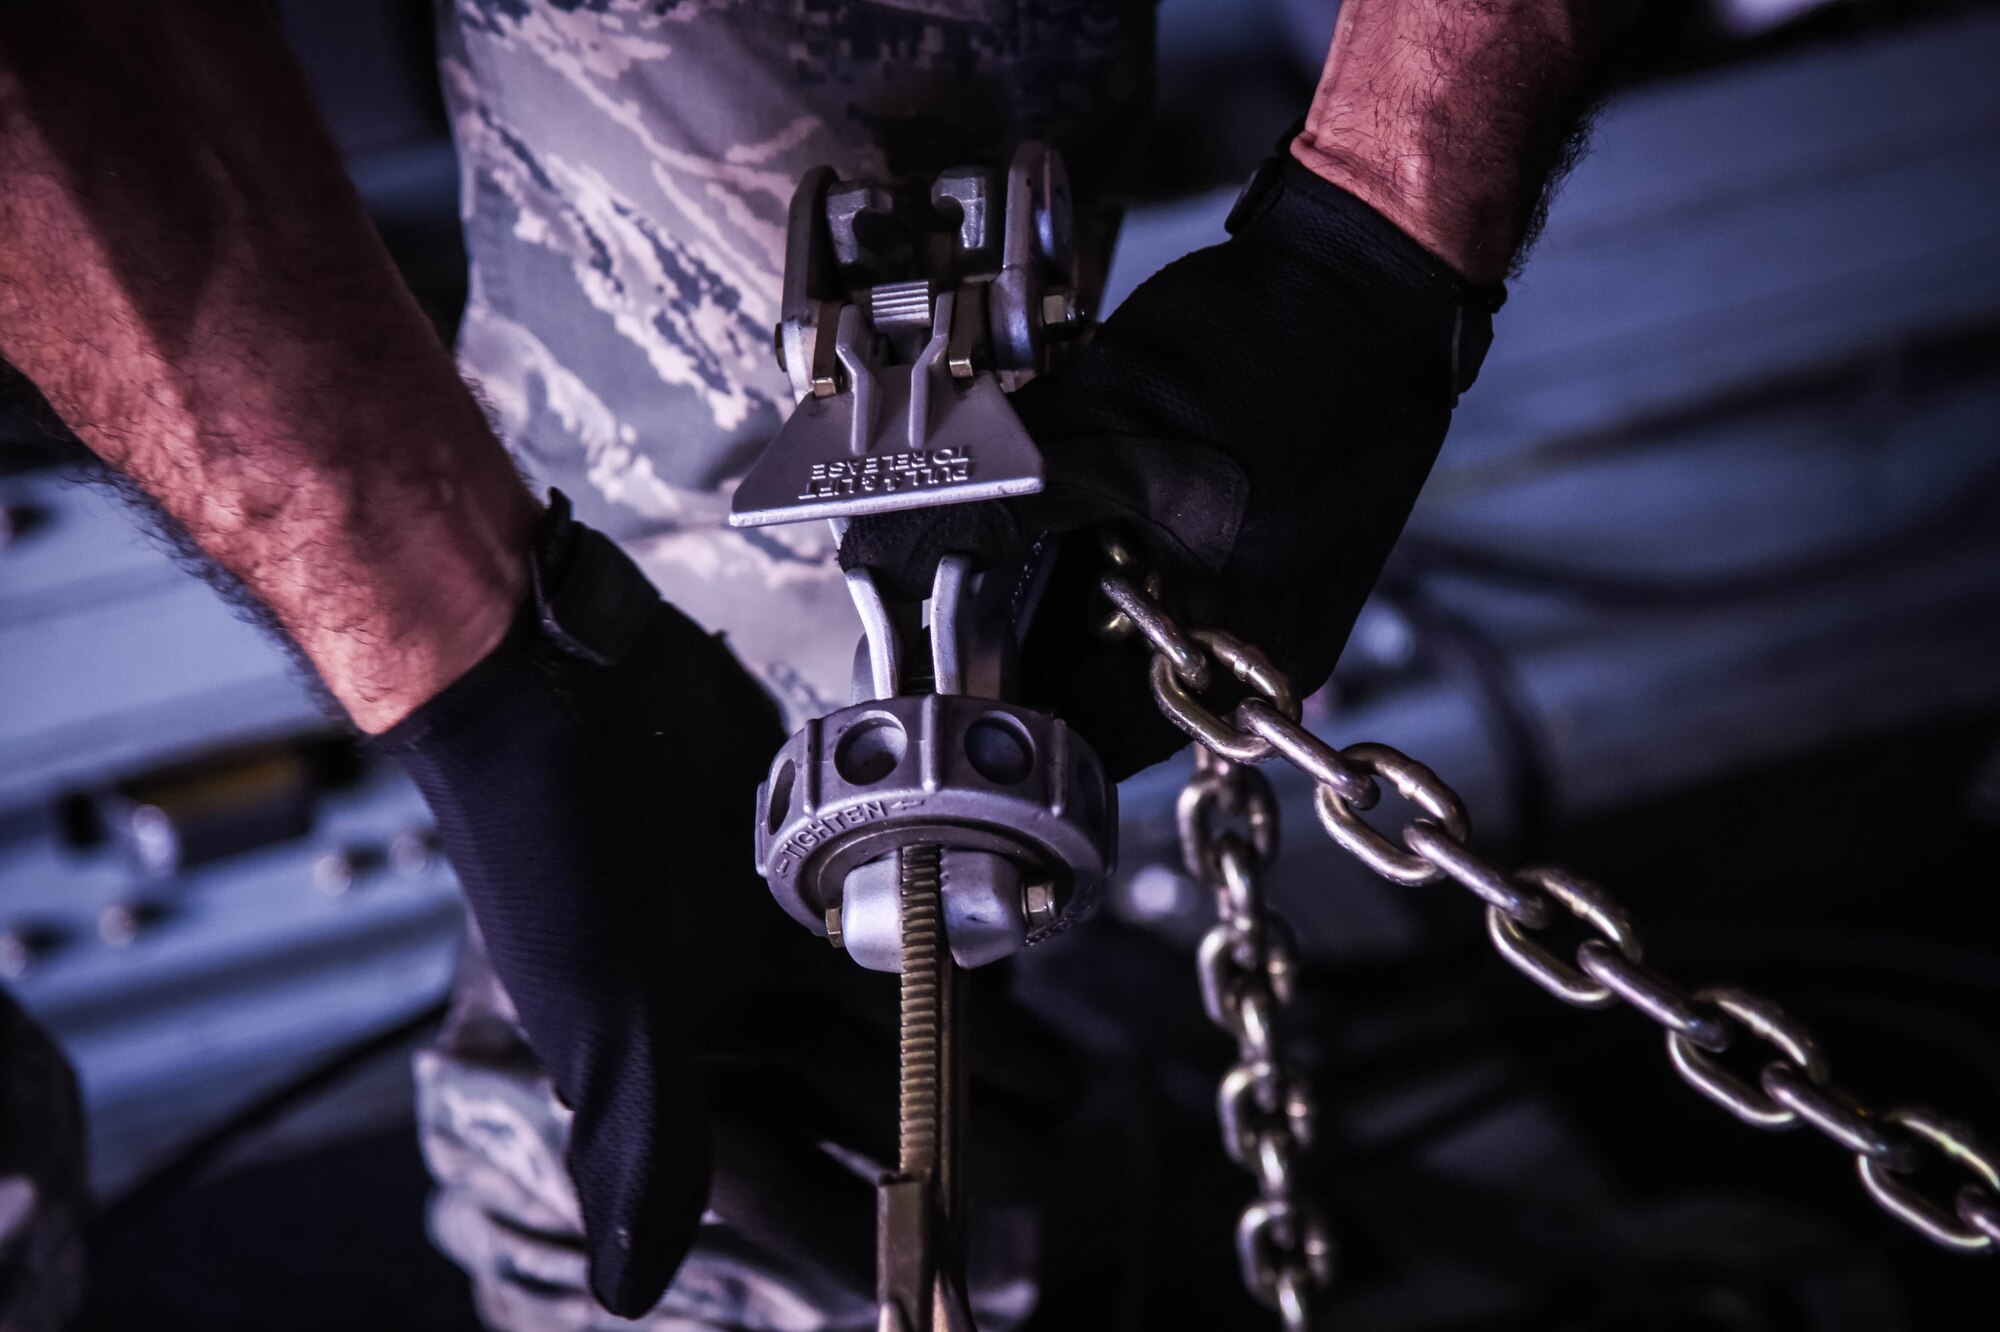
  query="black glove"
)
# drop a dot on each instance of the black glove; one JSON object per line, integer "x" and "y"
{"x": 1260, "y": 415}
{"x": 580, "y": 775}
{"x": 594, "y": 783}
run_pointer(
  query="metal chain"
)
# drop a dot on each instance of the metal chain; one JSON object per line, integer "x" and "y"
{"x": 1793, "y": 1087}
{"x": 1245, "y": 967}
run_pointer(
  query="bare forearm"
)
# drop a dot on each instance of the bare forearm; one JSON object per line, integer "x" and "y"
{"x": 188, "y": 276}
{"x": 1449, "y": 116}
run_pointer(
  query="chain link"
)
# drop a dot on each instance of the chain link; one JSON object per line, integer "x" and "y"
{"x": 1266, "y": 1114}
{"x": 1246, "y": 965}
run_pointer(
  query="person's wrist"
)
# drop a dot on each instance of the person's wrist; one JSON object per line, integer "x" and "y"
{"x": 454, "y": 589}
{"x": 1405, "y": 191}
{"x": 1406, "y": 294}
{"x": 1449, "y": 116}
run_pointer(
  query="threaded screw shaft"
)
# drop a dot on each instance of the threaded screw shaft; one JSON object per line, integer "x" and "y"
{"x": 925, "y": 958}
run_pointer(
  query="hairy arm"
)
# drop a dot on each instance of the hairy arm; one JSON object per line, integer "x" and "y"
{"x": 188, "y": 276}
{"x": 1452, "y": 117}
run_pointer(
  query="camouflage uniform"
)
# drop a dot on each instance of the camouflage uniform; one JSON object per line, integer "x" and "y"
{"x": 626, "y": 170}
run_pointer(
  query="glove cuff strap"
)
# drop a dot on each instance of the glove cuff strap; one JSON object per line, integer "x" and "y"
{"x": 1474, "y": 305}
{"x": 590, "y": 598}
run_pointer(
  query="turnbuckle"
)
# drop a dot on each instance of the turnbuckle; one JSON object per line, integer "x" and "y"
{"x": 936, "y": 823}
{"x": 930, "y": 827}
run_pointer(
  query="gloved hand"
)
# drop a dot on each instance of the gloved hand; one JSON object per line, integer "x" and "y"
{"x": 1260, "y": 415}
{"x": 789, "y": 1228}
{"x": 578, "y": 774}
{"x": 593, "y": 779}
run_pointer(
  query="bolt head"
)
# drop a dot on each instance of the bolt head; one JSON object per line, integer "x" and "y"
{"x": 1038, "y": 904}
{"x": 1061, "y": 310}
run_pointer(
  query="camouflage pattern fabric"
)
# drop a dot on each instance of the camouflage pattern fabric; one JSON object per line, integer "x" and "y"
{"x": 493, "y": 1135}
{"x": 626, "y": 170}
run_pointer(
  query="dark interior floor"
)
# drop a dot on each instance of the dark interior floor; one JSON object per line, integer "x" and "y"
{"x": 328, "y": 1241}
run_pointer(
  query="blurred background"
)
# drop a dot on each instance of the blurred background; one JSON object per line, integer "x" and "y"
{"x": 1703, "y": 600}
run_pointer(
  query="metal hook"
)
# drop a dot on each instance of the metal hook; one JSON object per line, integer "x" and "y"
{"x": 884, "y": 654}
{"x": 947, "y": 645}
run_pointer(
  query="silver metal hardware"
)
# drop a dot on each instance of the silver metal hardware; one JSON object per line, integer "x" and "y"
{"x": 951, "y": 769}
{"x": 926, "y": 831}
{"x": 1245, "y": 965}
{"x": 934, "y": 824}
{"x": 878, "y": 650}
{"x": 986, "y": 915}
{"x": 904, "y": 316}
{"x": 1285, "y": 1256}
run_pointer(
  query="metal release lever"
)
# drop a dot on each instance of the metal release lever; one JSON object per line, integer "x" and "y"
{"x": 900, "y": 382}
